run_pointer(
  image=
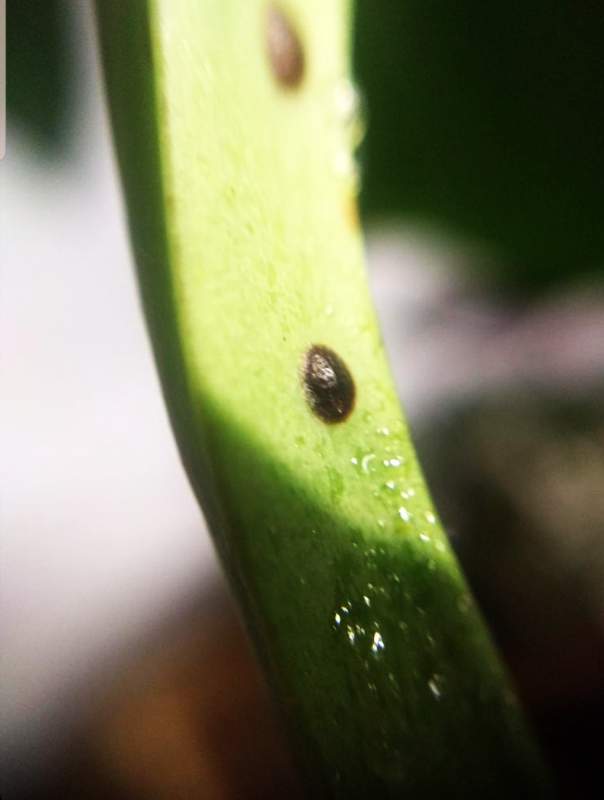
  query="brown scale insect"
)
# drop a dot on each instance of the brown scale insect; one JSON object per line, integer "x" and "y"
{"x": 284, "y": 48}
{"x": 328, "y": 384}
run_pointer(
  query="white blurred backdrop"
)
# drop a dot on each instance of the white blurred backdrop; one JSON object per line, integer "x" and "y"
{"x": 100, "y": 535}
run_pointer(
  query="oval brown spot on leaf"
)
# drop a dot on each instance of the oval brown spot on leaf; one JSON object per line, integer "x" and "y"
{"x": 285, "y": 51}
{"x": 328, "y": 384}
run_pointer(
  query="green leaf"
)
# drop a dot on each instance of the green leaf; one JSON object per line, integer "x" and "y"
{"x": 38, "y": 71}
{"x": 241, "y": 199}
{"x": 485, "y": 119}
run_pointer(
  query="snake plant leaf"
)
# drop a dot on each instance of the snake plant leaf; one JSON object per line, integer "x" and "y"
{"x": 486, "y": 120}
{"x": 39, "y": 84}
{"x": 234, "y": 122}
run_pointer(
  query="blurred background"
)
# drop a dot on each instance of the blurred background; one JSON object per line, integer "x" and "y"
{"x": 124, "y": 672}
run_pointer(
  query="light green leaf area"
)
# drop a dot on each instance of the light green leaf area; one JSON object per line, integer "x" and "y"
{"x": 241, "y": 194}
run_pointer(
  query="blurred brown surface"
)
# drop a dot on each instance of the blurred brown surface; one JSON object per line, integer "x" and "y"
{"x": 189, "y": 718}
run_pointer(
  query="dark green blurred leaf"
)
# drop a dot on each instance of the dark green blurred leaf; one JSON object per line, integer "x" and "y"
{"x": 487, "y": 119}
{"x": 39, "y": 75}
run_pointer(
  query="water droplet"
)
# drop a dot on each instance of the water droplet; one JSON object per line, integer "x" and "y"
{"x": 383, "y": 431}
{"x": 354, "y": 461}
{"x": 424, "y": 537}
{"x": 378, "y": 643}
{"x": 404, "y": 514}
{"x": 430, "y": 517}
{"x": 337, "y": 619}
{"x": 344, "y": 164}
{"x": 367, "y": 600}
{"x": 390, "y": 485}
{"x": 350, "y": 111}
{"x": 392, "y": 462}
{"x": 328, "y": 384}
{"x": 346, "y": 99}
{"x": 351, "y": 634}
{"x": 366, "y": 461}
{"x": 434, "y": 686}
{"x": 284, "y": 48}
